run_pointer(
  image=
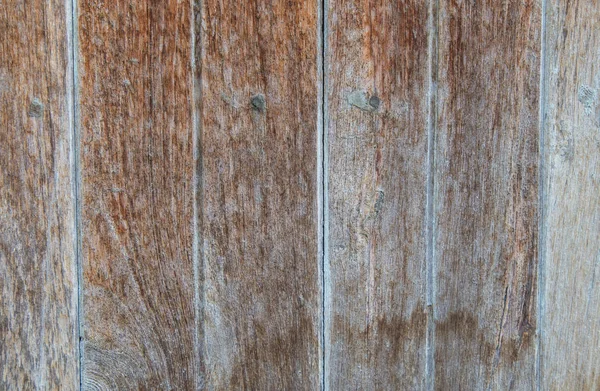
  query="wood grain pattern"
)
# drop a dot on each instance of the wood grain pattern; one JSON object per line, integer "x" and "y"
{"x": 376, "y": 86}
{"x": 38, "y": 310}
{"x": 571, "y": 326}
{"x": 258, "y": 215}
{"x": 486, "y": 194}
{"x": 38, "y": 277}
{"x": 137, "y": 169}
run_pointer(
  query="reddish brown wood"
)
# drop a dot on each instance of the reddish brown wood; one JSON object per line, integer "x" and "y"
{"x": 486, "y": 194}
{"x": 137, "y": 191}
{"x": 38, "y": 292}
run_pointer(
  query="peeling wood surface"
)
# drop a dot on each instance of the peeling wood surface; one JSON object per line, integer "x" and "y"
{"x": 258, "y": 215}
{"x": 137, "y": 169}
{"x": 376, "y": 85}
{"x": 38, "y": 291}
{"x": 243, "y": 216}
{"x": 571, "y": 296}
{"x": 486, "y": 194}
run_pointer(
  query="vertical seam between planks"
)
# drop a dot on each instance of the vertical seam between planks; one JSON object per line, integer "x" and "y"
{"x": 197, "y": 198}
{"x": 74, "y": 122}
{"x": 541, "y": 199}
{"x": 429, "y": 218}
{"x": 320, "y": 189}
{"x": 324, "y": 186}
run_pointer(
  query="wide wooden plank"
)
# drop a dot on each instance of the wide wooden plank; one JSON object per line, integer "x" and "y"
{"x": 486, "y": 194}
{"x": 571, "y": 296}
{"x": 137, "y": 170}
{"x": 38, "y": 275}
{"x": 258, "y": 207}
{"x": 376, "y": 88}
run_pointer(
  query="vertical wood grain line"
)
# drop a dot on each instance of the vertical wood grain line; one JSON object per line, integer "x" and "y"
{"x": 429, "y": 218}
{"x": 74, "y": 121}
{"x": 541, "y": 281}
{"x": 197, "y": 256}
{"x": 321, "y": 204}
{"x": 326, "y": 281}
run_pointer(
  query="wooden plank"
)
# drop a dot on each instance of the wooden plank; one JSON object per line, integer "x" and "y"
{"x": 376, "y": 87}
{"x": 137, "y": 170}
{"x": 259, "y": 209}
{"x": 486, "y": 194}
{"x": 38, "y": 274}
{"x": 571, "y": 298}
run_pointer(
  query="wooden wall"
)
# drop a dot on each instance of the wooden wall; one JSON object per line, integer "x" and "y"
{"x": 299, "y": 195}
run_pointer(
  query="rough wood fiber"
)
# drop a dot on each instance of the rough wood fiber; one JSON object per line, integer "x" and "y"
{"x": 486, "y": 194}
{"x": 376, "y": 89}
{"x": 571, "y": 325}
{"x": 137, "y": 194}
{"x": 38, "y": 294}
{"x": 257, "y": 64}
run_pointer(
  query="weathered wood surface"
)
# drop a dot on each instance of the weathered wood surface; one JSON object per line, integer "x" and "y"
{"x": 486, "y": 194}
{"x": 571, "y": 295}
{"x": 376, "y": 88}
{"x": 214, "y": 162}
{"x": 258, "y": 213}
{"x": 137, "y": 170}
{"x": 38, "y": 277}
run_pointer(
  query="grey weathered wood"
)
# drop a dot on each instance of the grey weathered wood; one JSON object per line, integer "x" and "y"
{"x": 486, "y": 194}
{"x": 38, "y": 292}
{"x": 571, "y": 295}
{"x": 258, "y": 207}
{"x": 137, "y": 169}
{"x": 376, "y": 88}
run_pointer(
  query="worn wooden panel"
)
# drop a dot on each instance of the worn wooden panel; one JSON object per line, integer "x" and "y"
{"x": 571, "y": 298}
{"x": 258, "y": 211}
{"x": 137, "y": 172}
{"x": 486, "y": 194}
{"x": 376, "y": 88}
{"x": 38, "y": 277}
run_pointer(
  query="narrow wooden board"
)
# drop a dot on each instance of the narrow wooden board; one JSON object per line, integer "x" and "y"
{"x": 376, "y": 88}
{"x": 571, "y": 298}
{"x": 486, "y": 194}
{"x": 258, "y": 206}
{"x": 38, "y": 275}
{"x": 137, "y": 170}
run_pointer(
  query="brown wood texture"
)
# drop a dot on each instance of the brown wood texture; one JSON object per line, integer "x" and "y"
{"x": 486, "y": 194}
{"x": 571, "y": 298}
{"x": 258, "y": 207}
{"x": 38, "y": 275}
{"x": 300, "y": 195}
{"x": 376, "y": 88}
{"x": 137, "y": 169}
